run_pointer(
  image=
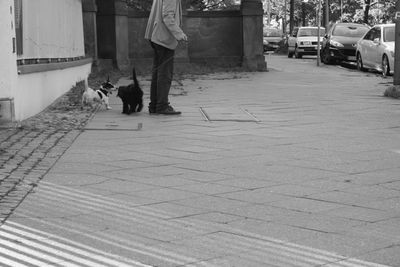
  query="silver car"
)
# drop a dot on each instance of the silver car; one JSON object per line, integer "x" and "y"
{"x": 304, "y": 41}
{"x": 376, "y": 49}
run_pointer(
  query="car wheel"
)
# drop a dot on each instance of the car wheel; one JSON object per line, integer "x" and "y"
{"x": 360, "y": 65}
{"x": 297, "y": 54}
{"x": 325, "y": 57}
{"x": 385, "y": 66}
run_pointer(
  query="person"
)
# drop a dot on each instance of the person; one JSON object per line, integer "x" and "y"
{"x": 164, "y": 32}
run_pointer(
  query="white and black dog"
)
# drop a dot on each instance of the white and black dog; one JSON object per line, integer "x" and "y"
{"x": 91, "y": 96}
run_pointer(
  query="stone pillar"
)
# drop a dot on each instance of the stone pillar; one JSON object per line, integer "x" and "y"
{"x": 112, "y": 33}
{"x": 182, "y": 51}
{"x": 253, "y": 52}
{"x": 121, "y": 35}
{"x": 89, "y": 9}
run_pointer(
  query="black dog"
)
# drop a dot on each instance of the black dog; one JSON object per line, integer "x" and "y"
{"x": 131, "y": 96}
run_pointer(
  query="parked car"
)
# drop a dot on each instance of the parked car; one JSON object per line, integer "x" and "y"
{"x": 304, "y": 41}
{"x": 339, "y": 44}
{"x": 376, "y": 49}
{"x": 272, "y": 39}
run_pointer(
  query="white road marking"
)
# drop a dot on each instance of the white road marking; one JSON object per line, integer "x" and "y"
{"x": 219, "y": 238}
{"x": 45, "y": 244}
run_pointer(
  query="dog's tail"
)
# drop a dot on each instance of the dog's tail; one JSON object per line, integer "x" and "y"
{"x": 135, "y": 81}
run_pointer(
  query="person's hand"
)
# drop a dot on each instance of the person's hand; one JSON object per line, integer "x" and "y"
{"x": 184, "y": 37}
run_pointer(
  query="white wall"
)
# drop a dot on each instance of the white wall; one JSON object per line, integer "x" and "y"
{"x": 36, "y": 91}
{"x": 8, "y": 66}
{"x": 52, "y": 29}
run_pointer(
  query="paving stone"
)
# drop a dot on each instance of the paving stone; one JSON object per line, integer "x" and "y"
{"x": 317, "y": 170}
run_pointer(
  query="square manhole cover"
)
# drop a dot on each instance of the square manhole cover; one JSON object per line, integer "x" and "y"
{"x": 227, "y": 114}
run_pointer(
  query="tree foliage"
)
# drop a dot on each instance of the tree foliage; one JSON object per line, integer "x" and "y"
{"x": 142, "y": 5}
{"x": 362, "y": 11}
{"x": 145, "y": 5}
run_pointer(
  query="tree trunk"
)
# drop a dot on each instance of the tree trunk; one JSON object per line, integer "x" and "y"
{"x": 366, "y": 10}
{"x": 291, "y": 15}
{"x": 396, "y": 78}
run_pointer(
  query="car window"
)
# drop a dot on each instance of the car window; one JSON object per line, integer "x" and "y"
{"x": 349, "y": 30}
{"x": 373, "y": 33}
{"x": 388, "y": 34}
{"x": 272, "y": 33}
{"x": 378, "y": 33}
{"x": 368, "y": 35}
{"x": 311, "y": 32}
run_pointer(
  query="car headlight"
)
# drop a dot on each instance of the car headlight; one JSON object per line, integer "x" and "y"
{"x": 265, "y": 42}
{"x": 335, "y": 43}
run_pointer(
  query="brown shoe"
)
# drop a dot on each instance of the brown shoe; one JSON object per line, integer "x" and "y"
{"x": 169, "y": 111}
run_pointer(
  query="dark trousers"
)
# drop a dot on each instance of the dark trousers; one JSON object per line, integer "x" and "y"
{"x": 161, "y": 79}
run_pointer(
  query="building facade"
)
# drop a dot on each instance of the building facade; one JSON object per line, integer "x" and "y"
{"x": 44, "y": 49}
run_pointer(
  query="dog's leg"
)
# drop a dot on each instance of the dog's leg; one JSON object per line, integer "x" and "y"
{"x": 125, "y": 107}
{"x": 82, "y": 101}
{"x": 132, "y": 107}
{"x": 140, "y": 105}
{"x": 106, "y": 103}
{"x": 85, "y": 99}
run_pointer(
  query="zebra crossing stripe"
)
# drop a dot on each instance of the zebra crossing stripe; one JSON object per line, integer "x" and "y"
{"x": 101, "y": 200}
{"x": 57, "y": 252}
{"x": 127, "y": 215}
{"x": 78, "y": 253}
{"x": 350, "y": 262}
{"x": 23, "y": 258}
{"x": 123, "y": 243}
{"x": 283, "y": 252}
{"x": 127, "y": 218}
{"x": 6, "y": 262}
{"x": 28, "y": 251}
{"x": 258, "y": 245}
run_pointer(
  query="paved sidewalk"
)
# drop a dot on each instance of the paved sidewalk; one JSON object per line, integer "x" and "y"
{"x": 298, "y": 166}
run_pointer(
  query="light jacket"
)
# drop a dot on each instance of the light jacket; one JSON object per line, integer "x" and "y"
{"x": 164, "y": 25}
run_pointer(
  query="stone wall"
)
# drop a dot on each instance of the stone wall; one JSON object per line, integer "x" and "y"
{"x": 215, "y": 39}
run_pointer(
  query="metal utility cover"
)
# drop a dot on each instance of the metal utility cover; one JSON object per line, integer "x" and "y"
{"x": 227, "y": 114}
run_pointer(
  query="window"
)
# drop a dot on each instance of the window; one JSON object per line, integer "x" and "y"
{"x": 350, "y": 30}
{"x": 368, "y": 35}
{"x": 378, "y": 33}
{"x": 373, "y": 34}
{"x": 311, "y": 32}
{"x": 388, "y": 34}
{"x": 18, "y": 25}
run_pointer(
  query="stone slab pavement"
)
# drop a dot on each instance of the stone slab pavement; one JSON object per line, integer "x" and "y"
{"x": 297, "y": 166}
